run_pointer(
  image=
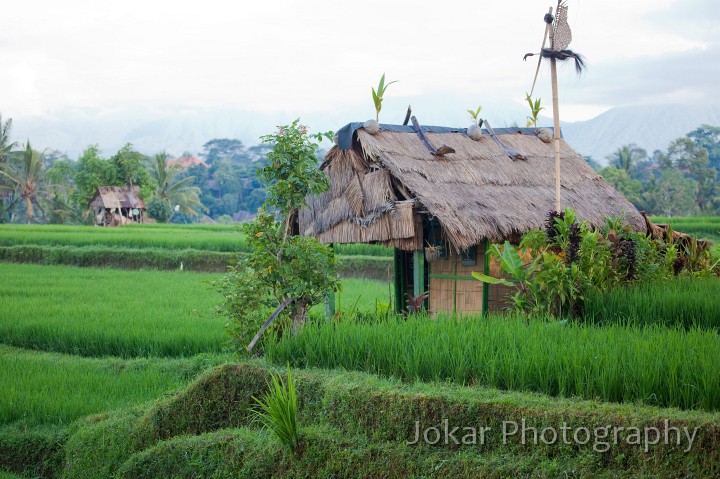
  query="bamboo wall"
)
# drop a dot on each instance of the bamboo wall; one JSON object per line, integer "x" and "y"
{"x": 464, "y": 294}
{"x": 468, "y": 298}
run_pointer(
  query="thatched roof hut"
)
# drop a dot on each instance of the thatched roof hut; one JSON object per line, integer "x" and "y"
{"x": 476, "y": 193}
{"x": 391, "y": 188}
{"x": 124, "y": 202}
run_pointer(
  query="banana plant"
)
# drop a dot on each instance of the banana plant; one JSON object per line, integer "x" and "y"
{"x": 535, "y": 108}
{"x": 378, "y": 95}
{"x": 510, "y": 262}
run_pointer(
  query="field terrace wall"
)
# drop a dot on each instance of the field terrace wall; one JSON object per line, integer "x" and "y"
{"x": 390, "y": 188}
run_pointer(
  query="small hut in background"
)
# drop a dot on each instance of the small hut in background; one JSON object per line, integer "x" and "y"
{"x": 441, "y": 211}
{"x": 117, "y": 205}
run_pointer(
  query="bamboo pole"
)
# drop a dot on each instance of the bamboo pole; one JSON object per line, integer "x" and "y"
{"x": 556, "y": 120}
{"x": 556, "y": 137}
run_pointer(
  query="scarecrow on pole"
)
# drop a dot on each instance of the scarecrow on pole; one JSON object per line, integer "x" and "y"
{"x": 558, "y": 30}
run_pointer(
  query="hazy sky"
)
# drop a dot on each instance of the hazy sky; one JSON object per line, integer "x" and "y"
{"x": 323, "y": 56}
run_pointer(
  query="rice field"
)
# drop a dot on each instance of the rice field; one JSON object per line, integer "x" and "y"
{"x": 104, "y": 312}
{"x": 199, "y": 237}
{"x": 47, "y": 388}
{"x": 686, "y": 302}
{"x": 219, "y": 238}
{"x": 654, "y": 365}
{"x": 704, "y": 227}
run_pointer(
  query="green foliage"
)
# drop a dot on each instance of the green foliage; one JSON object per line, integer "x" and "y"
{"x": 130, "y": 258}
{"x": 278, "y": 410}
{"x": 569, "y": 260}
{"x": 292, "y": 173}
{"x": 130, "y": 170}
{"x": 674, "y": 194}
{"x": 92, "y": 171}
{"x": 708, "y": 137}
{"x": 5, "y": 144}
{"x": 632, "y": 189}
{"x": 22, "y": 178}
{"x": 159, "y": 210}
{"x": 174, "y": 191}
{"x": 653, "y": 365}
{"x": 276, "y": 269}
{"x": 281, "y": 272}
{"x": 535, "y": 108}
{"x": 32, "y": 452}
{"x": 377, "y": 95}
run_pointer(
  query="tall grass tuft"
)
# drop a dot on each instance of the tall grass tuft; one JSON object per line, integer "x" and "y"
{"x": 278, "y": 409}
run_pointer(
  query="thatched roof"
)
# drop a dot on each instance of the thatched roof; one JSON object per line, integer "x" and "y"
{"x": 117, "y": 197}
{"x": 477, "y": 192}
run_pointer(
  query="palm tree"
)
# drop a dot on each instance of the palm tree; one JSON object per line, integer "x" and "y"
{"x": 5, "y": 145}
{"x": 25, "y": 181}
{"x": 180, "y": 192}
{"x": 627, "y": 157}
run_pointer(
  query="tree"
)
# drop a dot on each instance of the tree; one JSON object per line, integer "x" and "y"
{"x": 282, "y": 275}
{"x": 5, "y": 144}
{"x": 674, "y": 194}
{"x": 5, "y": 147}
{"x": 708, "y": 137}
{"x": 693, "y": 162}
{"x": 92, "y": 171}
{"x": 129, "y": 165}
{"x": 61, "y": 192}
{"x": 620, "y": 179}
{"x": 223, "y": 149}
{"x": 159, "y": 210}
{"x": 24, "y": 180}
{"x": 627, "y": 157}
{"x": 172, "y": 190}
{"x": 292, "y": 174}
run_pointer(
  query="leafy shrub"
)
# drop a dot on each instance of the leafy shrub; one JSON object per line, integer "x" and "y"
{"x": 286, "y": 274}
{"x": 556, "y": 269}
{"x": 159, "y": 210}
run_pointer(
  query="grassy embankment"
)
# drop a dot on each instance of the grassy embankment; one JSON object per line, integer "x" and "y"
{"x": 161, "y": 247}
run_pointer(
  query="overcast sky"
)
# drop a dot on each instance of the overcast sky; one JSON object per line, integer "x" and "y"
{"x": 323, "y": 56}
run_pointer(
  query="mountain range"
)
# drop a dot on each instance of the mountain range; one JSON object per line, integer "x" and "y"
{"x": 183, "y": 129}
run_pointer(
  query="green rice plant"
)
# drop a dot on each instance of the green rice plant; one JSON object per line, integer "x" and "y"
{"x": 652, "y": 365}
{"x": 278, "y": 410}
{"x": 685, "y": 302}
